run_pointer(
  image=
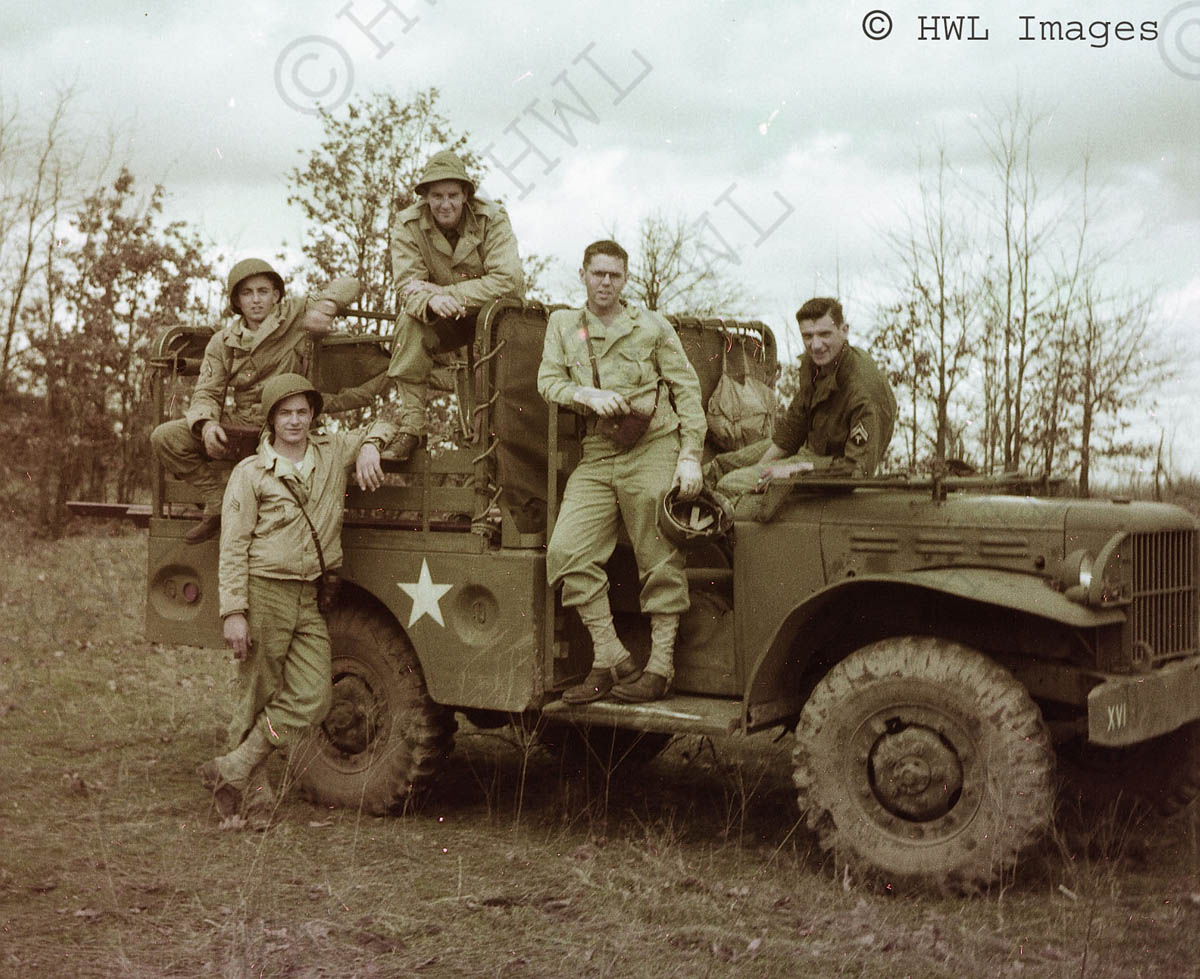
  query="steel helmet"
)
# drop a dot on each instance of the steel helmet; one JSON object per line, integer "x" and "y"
{"x": 284, "y": 386}
{"x": 242, "y": 271}
{"x": 687, "y": 522}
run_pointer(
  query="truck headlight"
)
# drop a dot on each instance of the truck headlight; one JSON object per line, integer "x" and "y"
{"x": 1097, "y": 581}
{"x": 1074, "y": 575}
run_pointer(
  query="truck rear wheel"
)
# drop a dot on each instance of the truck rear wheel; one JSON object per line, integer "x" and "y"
{"x": 921, "y": 762}
{"x": 1160, "y": 776}
{"x": 383, "y": 740}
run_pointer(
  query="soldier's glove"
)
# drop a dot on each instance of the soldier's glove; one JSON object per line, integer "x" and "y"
{"x": 688, "y": 478}
{"x": 606, "y": 404}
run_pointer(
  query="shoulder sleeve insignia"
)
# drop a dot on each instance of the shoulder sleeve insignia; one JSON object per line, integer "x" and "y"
{"x": 859, "y": 434}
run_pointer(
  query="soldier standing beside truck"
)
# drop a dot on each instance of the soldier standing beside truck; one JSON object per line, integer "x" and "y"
{"x": 452, "y": 252}
{"x": 840, "y": 420}
{"x": 282, "y": 530}
{"x": 273, "y": 334}
{"x": 626, "y": 370}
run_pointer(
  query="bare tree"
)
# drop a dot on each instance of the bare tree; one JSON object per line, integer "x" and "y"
{"x": 27, "y": 209}
{"x": 1118, "y": 362}
{"x": 941, "y": 293}
{"x": 668, "y": 272}
{"x": 1023, "y": 232}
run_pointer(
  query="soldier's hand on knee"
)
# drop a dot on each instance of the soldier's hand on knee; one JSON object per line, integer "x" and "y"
{"x": 318, "y": 320}
{"x": 368, "y": 470}
{"x": 215, "y": 440}
{"x": 237, "y": 635}
{"x": 688, "y": 478}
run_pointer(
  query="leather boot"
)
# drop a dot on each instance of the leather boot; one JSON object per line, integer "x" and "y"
{"x": 403, "y": 447}
{"x": 600, "y": 681}
{"x": 228, "y": 775}
{"x": 655, "y": 681}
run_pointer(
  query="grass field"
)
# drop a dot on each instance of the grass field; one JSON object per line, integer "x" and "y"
{"x": 111, "y": 863}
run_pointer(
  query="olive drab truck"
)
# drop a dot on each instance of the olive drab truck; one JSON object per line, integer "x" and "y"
{"x": 947, "y": 652}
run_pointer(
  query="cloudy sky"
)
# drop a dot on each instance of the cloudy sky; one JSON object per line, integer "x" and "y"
{"x": 781, "y": 125}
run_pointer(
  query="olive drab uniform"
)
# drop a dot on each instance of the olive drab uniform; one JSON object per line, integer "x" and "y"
{"x": 268, "y": 571}
{"x": 639, "y": 356}
{"x": 237, "y": 362}
{"x": 477, "y": 262}
{"x": 840, "y": 420}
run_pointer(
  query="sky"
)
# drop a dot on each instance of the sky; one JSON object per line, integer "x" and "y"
{"x": 788, "y": 131}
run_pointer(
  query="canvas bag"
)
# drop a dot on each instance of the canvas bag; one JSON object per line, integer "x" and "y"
{"x": 739, "y": 412}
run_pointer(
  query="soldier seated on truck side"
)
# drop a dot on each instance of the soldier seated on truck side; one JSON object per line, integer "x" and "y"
{"x": 452, "y": 253}
{"x": 840, "y": 420}
{"x": 273, "y": 334}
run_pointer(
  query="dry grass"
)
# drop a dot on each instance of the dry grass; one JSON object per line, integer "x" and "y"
{"x": 112, "y": 864}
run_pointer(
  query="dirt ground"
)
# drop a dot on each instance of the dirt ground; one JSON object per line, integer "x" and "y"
{"x": 112, "y": 864}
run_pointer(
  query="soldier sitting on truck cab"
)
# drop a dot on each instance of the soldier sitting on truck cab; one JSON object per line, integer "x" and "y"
{"x": 273, "y": 334}
{"x": 840, "y": 420}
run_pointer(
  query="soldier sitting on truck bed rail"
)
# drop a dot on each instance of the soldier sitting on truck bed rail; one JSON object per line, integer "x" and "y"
{"x": 840, "y": 420}
{"x": 625, "y": 368}
{"x": 273, "y": 334}
{"x": 452, "y": 252}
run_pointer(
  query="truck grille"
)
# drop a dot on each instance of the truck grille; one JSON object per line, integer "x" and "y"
{"x": 1164, "y": 595}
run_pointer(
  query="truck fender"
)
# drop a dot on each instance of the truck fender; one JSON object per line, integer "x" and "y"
{"x": 776, "y": 686}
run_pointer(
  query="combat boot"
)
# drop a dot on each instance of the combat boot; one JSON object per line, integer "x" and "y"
{"x": 228, "y": 776}
{"x": 611, "y": 662}
{"x": 654, "y": 683}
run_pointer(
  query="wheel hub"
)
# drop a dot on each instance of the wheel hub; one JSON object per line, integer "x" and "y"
{"x": 351, "y": 724}
{"x": 915, "y": 773}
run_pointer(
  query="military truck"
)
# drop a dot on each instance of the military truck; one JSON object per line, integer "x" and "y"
{"x": 937, "y": 646}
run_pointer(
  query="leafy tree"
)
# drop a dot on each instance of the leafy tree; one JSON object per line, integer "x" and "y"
{"x": 361, "y": 177}
{"x": 121, "y": 279}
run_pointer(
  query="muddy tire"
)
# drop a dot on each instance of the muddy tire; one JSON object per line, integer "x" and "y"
{"x": 1158, "y": 777}
{"x": 921, "y": 763}
{"x": 383, "y": 741}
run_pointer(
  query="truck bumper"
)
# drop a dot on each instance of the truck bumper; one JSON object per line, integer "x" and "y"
{"x": 1128, "y": 710}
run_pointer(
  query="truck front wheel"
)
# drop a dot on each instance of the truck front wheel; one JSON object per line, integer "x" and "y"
{"x": 921, "y": 762}
{"x": 383, "y": 740}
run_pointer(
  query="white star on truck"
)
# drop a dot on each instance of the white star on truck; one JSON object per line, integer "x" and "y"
{"x": 425, "y": 596}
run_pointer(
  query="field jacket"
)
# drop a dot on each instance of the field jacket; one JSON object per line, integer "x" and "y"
{"x": 239, "y": 361}
{"x": 638, "y": 356}
{"x": 263, "y": 531}
{"x": 483, "y": 265}
{"x": 846, "y": 415}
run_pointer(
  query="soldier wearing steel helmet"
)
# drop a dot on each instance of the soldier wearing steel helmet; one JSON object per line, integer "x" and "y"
{"x": 272, "y": 334}
{"x": 280, "y": 502}
{"x": 452, "y": 252}
{"x": 611, "y": 361}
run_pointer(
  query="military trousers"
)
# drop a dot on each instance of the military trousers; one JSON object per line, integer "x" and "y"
{"x": 285, "y": 684}
{"x": 607, "y": 487}
{"x": 182, "y": 455}
{"x": 417, "y": 347}
{"x": 734, "y": 474}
